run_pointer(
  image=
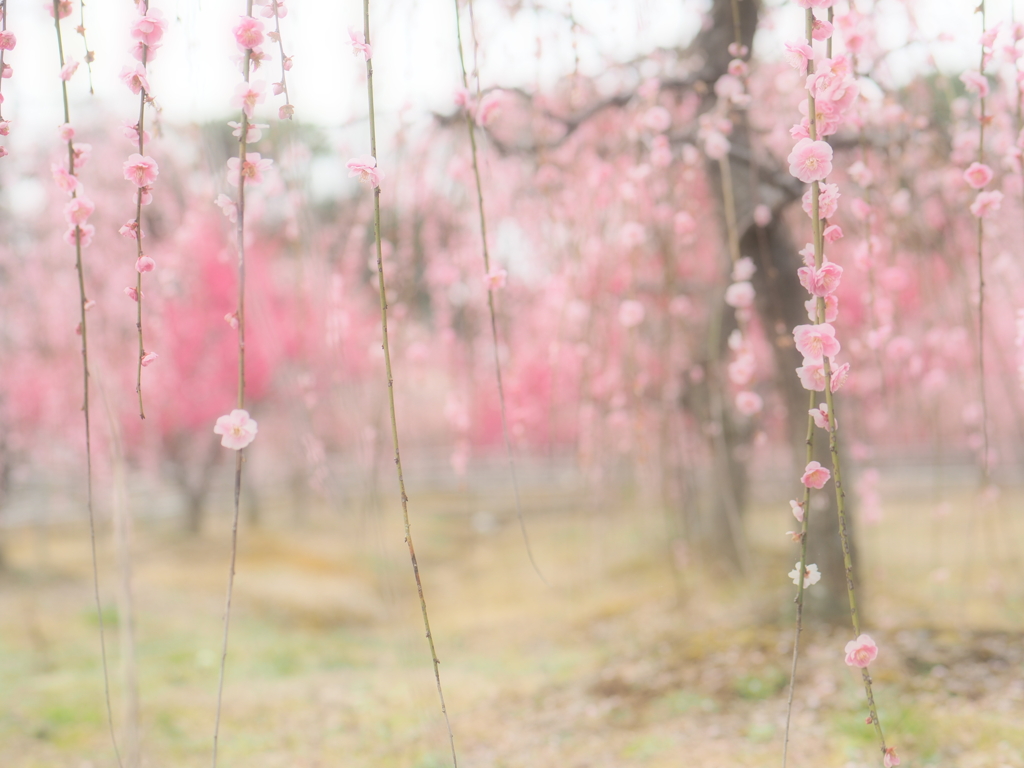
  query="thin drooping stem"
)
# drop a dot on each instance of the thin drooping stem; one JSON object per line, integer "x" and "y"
{"x": 143, "y": 97}
{"x": 985, "y": 468}
{"x": 837, "y": 475}
{"x": 239, "y": 454}
{"x": 89, "y": 56}
{"x": 287, "y": 110}
{"x": 82, "y": 300}
{"x": 391, "y": 389}
{"x": 471, "y": 128}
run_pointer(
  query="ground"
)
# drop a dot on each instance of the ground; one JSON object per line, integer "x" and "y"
{"x": 621, "y": 662}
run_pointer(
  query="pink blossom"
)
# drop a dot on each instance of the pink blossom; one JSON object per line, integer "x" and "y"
{"x": 65, "y": 181}
{"x": 975, "y": 82}
{"x": 978, "y": 175}
{"x": 822, "y": 30}
{"x": 839, "y": 377}
{"x": 89, "y": 304}
{"x": 365, "y": 168}
{"x": 130, "y": 130}
{"x": 237, "y": 429}
{"x": 7, "y": 41}
{"x": 831, "y": 308}
{"x": 812, "y": 376}
{"x": 140, "y": 171}
{"x": 810, "y": 160}
{"x": 890, "y": 758}
{"x": 150, "y": 29}
{"x": 815, "y": 3}
{"x": 5, "y": 127}
{"x": 742, "y": 369}
{"x": 286, "y": 112}
{"x": 64, "y": 9}
{"x": 832, "y": 233}
{"x": 495, "y": 279}
{"x": 148, "y": 358}
{"x": 738, "y": 68}
{"x": 861, "y": 652}
{"x": 81, "y": 235}
{"x": 248, "y": 95}
{"x": 797, "y": 508}
{"x": 716, "y": 146}
{"x": 820, "y": 416}
{"x": 227, "y": 207}
{"x": 66, "y": 132}
{"x": 798, "y": 54}
{"x": 815, "y": 342}
{"x": 253, "y": 132}
{"x": 8, "y": 71}
{"x": 82, "y": 153}
{"x": 749, "y": 403}
{"x": 828, "y": 201}
{"x": 251, "y": 170}
{"x": 815, "y": 476}
{"x": 135, "y": 78}
{"x": 231, "y": 318}
{"x": 762, "y": 215}
{"x": 811, "y": 574}
{"x": 144, "y": 264}
{"x": 740, "y": 295}
{"x": 821, "y": 282}
{"x": 986, "y": 203}
{"x": 631, "y": 313}
{"x": 743, "y": 269}
{"x": 248, "y": 33}
{"x": 68, "y": 69}
{"x": 359, "y": 44}
{"x": 133, "y": 293}
{"x": 78, "y": 210}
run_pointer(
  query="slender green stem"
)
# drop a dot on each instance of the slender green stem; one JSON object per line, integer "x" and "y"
{"x": 240, "y": 455}
{"x": 471, "y": 129}
{"x": 985, "y": 468}
{"x": 80, "y": 269}
{"x": 391, "y": 391}
{"x": 143, "y": 96}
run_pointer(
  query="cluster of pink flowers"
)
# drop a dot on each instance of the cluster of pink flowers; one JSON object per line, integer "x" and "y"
{"x": 7, "y": 43}
{"x": 251, "y": 35}
{"x": 79, "y": 208}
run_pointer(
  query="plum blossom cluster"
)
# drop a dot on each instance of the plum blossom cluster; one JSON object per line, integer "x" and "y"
{"x": 7, "y": 43}
{"x": 742, "y": 369}
{"x": 978, "y": 175}
{"x": 275, "y": 9}
{"x": 79, "y": 208}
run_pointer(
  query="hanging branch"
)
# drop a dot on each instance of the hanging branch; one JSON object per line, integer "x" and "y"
{"x": 367, "y": 170}
{"x": 237, "y": 428}
{"x": 495, "y": 279}
{"x": 80, "y": 235}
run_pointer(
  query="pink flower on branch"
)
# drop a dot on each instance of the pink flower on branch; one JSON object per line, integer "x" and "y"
{"x": 64, "y": 9}
{"x": 133, "y": 293}
{"x": 986, "y": 203}
{"x": 237, "y": 429}
{"x": 80, "y": 235}
{"x": 149, "y": 29}
{"x": 251, "y": 170}
{"x": 148, "y": 358}
{"x": 359, "y": 44}
{"x": 831, "y": 308}
{"x": 749, "y": 403}
{"x": 811, "y": 574}
{"x": 820, "y": 416}
{"x": 815, "y": 476}
{"x": 861, "y": 652}
{"x": 975, "y": 82}
{"x": 978, "y": 175}
{"x": 366, "y": 169}
{"x": 135, "y": 78}
{"x": 78, "y": 210}
{"x": 495, "y": 279}
{"x": 249, "y": 33}
{"x": 68, "y": 70}
{"x": 816, "y": 341}
{"x": 821, "y": 282}
{"x": 810, "y": 160}
{"x": 248, "y": 95}
{"x": 144, "y": 264}
{"x": 7, "y": 41}
{"x": 66, "y": 182}
{"x": 891, "y": 758}
{"x": 797, "y": 508}
{"x": 140, "y": 171}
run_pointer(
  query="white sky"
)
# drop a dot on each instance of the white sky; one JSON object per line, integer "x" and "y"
{"x": 194, "y": 76}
